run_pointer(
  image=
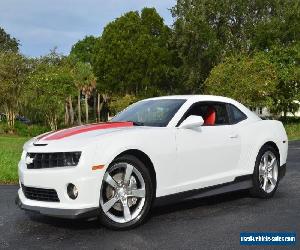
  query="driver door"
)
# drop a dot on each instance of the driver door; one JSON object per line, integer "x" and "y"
{"x": 207, "y": 155}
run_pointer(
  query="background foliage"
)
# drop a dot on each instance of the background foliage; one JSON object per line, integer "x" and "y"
{"x": 247, "y": 50}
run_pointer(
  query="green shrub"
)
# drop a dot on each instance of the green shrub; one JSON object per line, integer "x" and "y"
{"x": 23, "y": 130}
{"x": 293, "y": 130}
{"x": 117, "y": 104}
{"x": 3, "y": 127}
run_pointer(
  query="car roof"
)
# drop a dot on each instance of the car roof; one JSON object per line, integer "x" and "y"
{"x": 196, "y": 98}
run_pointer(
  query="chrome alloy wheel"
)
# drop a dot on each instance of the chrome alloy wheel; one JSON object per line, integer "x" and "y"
{"x": 123, "y": 193}
{"x": 268, "y": 172}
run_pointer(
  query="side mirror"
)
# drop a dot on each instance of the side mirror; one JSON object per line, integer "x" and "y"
{"x": 193, "y": 121}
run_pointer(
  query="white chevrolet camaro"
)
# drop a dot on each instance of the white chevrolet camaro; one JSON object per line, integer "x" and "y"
{"x": 157, "y": 151}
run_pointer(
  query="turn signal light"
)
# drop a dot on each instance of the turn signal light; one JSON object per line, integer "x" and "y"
{"x": 98, "y": 167}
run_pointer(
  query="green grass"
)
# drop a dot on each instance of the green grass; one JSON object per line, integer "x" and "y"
{"x": 11, "y": 149}
{"x": 293, "y": 130}
{"x": 10, "y": 153}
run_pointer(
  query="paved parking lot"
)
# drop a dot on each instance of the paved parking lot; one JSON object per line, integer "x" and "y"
{"x": 210, "y": 223}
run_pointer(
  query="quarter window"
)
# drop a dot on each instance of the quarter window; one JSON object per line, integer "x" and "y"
{"x": 236, "y": 114}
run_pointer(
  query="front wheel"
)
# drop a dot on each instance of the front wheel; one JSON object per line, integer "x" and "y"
{"x": 126, "y": 193}
{"x": 265, "y": 176}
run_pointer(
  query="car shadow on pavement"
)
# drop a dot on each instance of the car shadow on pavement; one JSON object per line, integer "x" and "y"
{"x": 77, "y": 224}
{"x": 93, "y": 223}
{"x": 201, "y": 202}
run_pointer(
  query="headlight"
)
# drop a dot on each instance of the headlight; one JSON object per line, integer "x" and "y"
{"x": 52, "y": 160}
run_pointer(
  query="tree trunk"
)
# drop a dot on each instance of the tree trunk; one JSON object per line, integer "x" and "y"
{"x": 10, "y": 116}
{"x": 284, "y": 114}
{"x": 55, "y": 122}
{"x": 86, "y": 109}
{"x": 94, "y": 105}
{"x": 66, "y": 114}
{"x": 79, "y": 108}
{"x": 52, "y": 121}
{"x": 105, "y": 100}
{"x": 98, "y": 107}
{"x": 71, "y": 110}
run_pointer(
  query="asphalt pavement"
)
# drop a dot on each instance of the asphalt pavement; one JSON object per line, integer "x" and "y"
{"x": 209, "y": 223}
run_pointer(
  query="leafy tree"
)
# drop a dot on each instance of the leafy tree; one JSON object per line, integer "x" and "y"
{"x": 14, "y": 69}
{"x": 51, "y": 83}
{"x": 118, "y": 103}
{"x": 250, "y": 80}
{"x": 8, "y": 43}
{"x": 132, "y": 55}
{"x": 207, "y": 31}
{"x": 287, "y": 63}
{"x": 278, "y": 25}
{"x": 83, "y": 50}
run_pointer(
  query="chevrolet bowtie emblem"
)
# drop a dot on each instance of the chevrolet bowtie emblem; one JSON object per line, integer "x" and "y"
{"x": 28, "y": 160}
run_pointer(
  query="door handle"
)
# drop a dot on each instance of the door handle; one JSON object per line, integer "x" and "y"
{"x": 233, "y": 136}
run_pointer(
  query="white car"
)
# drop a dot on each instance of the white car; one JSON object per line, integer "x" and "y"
{"x": 156, "y": 151}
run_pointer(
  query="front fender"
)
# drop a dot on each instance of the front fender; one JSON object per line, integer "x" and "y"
{"x": 158, "y": 144}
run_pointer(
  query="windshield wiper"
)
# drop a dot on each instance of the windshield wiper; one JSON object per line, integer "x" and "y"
{"x": 136, "y": 123}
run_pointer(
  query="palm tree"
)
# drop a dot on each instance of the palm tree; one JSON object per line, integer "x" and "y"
{"x": 85, "y": 82}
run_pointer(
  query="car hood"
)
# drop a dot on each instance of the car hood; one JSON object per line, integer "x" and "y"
{"x": 82, "y": 132}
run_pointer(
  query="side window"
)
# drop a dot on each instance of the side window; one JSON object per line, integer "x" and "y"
{"x": 236, "y": 114}
{"x": 221, "y": 114}
{"x": 213, "y": 113}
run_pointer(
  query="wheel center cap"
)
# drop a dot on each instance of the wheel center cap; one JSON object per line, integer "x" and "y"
{"x": 121, "y": 192}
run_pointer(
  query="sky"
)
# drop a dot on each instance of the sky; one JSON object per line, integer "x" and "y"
{"x": 41, "y": 25}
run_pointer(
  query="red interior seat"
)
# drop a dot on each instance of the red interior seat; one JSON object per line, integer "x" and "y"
{"x": 210, "y": 118}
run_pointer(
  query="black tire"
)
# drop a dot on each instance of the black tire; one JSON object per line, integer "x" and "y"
{"x": 257, "y": 190}
{"x": 149, "y": 196}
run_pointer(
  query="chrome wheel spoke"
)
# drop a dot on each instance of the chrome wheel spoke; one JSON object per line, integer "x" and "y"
{"x": 126, "y": 211}
{"x": 128, "y": 173}
{"x": 108, "y": 205}
{"x": 261, "y": 172}
{"x": 264, "y": 187}
{"x": 108, "y": 179}
{"x": 138, "y": 193}
{"x": 273, "y": 181}
{"x": 265, "y": 160}
{"x": 271, "y": 165}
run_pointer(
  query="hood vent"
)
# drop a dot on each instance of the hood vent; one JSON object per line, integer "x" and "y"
{"x": 40, "y": 144}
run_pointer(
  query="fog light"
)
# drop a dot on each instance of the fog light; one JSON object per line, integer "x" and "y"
{"x": 72, "y": 191}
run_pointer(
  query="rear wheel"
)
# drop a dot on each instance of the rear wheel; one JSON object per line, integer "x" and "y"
{"x": 126, "y": 193}
{"x": 265, "y": 176}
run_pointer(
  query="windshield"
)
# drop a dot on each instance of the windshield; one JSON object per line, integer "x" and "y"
{"x": 155, "y": 113}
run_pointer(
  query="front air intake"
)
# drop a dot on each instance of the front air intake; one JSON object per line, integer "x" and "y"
{"x": 40, "y": 194}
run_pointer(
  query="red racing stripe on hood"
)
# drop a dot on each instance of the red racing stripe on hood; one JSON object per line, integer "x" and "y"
{"x": 85, "y": 128}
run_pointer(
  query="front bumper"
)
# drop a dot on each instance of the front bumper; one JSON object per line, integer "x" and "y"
{"x": 60, "y": 213}
{"x": 87, "y": 181}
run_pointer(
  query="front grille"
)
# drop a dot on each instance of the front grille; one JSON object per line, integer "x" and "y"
{"x": 40, "y": 194}
{"x": 52, "y": 160}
